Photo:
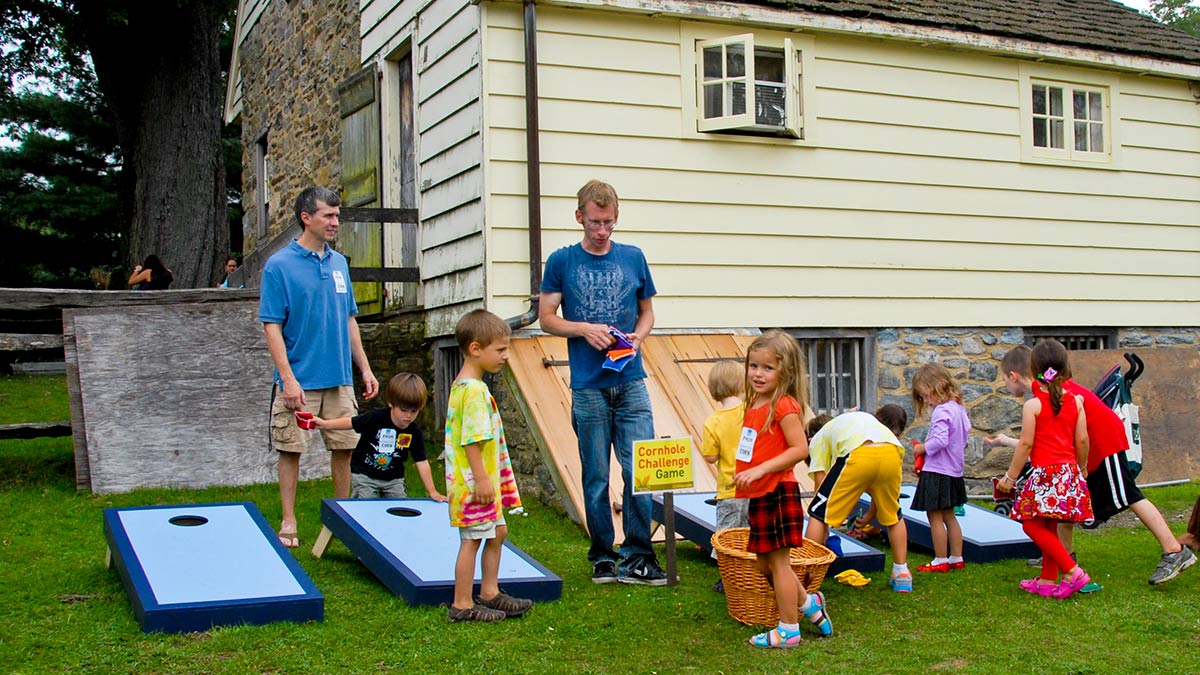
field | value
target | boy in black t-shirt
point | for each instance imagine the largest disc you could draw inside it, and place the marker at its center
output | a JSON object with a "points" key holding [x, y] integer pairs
{"points": [[388, 437]]}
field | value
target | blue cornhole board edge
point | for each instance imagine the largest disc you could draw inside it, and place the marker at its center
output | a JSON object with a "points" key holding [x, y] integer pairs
{"points": [[191, 617], [698, 531], [974, 550], [402, 581]]}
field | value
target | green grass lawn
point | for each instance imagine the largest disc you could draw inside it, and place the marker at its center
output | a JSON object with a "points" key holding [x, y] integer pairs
{"points": [[60, 609]]}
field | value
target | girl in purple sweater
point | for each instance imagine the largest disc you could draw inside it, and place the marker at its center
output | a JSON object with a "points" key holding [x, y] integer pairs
{"points": [[941, 486]]}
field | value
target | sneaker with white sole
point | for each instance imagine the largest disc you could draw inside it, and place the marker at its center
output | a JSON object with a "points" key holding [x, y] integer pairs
{"points": [[604, 572], [645, 572], [1171, 564]]}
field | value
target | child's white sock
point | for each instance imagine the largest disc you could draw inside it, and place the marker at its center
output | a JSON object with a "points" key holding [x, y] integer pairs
{"points": [[809, 605], [956, 558], [789, 627], [939, 561], [899, 568]]}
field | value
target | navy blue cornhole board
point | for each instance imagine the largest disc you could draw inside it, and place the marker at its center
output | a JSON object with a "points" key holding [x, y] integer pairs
{"points": [[696, 519], [987, 535], [413, 554], [228, 570]]}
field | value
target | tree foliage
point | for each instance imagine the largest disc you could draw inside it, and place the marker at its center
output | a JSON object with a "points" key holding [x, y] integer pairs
{"points": [[115, 106], [1181, 14]]}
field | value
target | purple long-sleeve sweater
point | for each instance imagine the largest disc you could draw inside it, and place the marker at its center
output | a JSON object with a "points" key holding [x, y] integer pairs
{"points": [[946, 442]]}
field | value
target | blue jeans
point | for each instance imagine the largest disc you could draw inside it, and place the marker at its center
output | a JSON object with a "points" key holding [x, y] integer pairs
{"points": [[612, 419]]}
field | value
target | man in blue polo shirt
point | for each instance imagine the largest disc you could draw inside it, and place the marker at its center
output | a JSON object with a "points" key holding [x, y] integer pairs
{"points": [[602, 285], [307, 308]]}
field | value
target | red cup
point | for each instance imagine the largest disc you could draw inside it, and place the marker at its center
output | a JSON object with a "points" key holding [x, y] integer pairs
{"points": [[304, 420]]}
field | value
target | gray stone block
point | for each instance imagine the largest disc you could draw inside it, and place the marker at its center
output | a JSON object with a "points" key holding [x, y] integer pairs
{"points": [[974, 392], [888, 336], [996, 413], [983, 371], [943, 341], [972, 346], [1013, 336], [895, 358]]}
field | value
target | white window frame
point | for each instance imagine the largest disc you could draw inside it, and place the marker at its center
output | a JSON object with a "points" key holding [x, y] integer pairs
{"points": [[798, 58], [1070, 81], [854, 382]]}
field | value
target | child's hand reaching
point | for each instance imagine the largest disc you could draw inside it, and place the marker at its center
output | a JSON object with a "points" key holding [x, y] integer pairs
{"points": [[998, 440], [437, 496], [918, 449], [745, 478], [319, 423]]}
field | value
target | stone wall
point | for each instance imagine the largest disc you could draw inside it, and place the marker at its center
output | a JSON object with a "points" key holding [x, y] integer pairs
{"points": [[972, 355], [398, 346], [292, 63]]}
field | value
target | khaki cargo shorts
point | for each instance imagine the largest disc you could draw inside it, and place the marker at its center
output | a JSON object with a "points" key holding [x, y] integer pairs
{"points": [[327, 404]]}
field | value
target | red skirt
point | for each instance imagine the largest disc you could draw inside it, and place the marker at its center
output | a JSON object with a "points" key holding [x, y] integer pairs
{"points": [[777, 519]]}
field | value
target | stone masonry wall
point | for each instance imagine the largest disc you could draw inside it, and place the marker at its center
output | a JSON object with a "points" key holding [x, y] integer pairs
{"points": [[398, 346], [292, 63], [972, 355]]}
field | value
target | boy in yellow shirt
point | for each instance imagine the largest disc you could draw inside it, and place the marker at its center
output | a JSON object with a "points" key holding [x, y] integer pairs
{"points": [[722, 429]]}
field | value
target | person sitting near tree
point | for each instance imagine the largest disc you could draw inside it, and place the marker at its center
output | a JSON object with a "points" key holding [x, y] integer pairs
{"points": [[151, 275]]}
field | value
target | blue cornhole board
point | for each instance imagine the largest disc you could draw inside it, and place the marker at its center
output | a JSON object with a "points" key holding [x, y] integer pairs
{"points": [[987, 535], [184, 575], [413, 554], [696, 519]]}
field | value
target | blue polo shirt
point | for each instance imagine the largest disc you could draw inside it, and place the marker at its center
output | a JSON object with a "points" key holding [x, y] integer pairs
{"points": [[310, 295], [599, 289]]}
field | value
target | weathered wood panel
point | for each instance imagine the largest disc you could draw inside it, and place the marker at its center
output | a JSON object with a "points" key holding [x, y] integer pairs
{"points": [[20, 342], [173, 396], [41, 299]]}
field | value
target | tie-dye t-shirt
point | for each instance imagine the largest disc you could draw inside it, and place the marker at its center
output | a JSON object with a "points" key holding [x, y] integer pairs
{"points": [[472, 417]]}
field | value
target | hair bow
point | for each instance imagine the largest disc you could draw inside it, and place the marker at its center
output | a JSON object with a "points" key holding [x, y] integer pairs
{"points": [[1048, 375]]}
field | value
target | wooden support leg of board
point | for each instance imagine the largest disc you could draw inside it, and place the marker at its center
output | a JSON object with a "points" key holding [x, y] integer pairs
{"points": [[323, 540], [107, 558]]}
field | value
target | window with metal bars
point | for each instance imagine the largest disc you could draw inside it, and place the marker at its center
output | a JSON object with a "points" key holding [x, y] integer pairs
{"points": [[1074, 339], [837, 374]]}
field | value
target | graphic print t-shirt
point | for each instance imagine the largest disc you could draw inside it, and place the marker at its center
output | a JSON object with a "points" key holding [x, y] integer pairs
{"points": [[383, 447]]}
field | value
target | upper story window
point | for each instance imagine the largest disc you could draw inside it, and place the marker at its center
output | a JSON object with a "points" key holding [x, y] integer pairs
{"points": [[747, 85], [1067, 116]]}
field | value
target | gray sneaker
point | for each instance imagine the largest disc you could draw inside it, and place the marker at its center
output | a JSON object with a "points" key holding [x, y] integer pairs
{"points": [[645, 572], [1171, 565]]}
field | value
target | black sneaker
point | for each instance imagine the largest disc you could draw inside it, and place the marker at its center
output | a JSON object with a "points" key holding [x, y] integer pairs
{"points": [[644, 572], [604, 572]]}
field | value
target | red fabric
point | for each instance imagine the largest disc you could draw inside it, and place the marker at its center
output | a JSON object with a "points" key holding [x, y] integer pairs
{"points": [[1054, 435], [769, 443], [1106, 431], [777, 519], [1055, 559]]}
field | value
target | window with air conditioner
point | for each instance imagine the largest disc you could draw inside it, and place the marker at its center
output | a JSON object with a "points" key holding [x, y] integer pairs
{"points": [[749, 88]]}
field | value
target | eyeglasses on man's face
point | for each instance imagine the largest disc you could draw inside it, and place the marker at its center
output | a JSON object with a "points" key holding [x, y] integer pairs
{"points": [[600, 224]]}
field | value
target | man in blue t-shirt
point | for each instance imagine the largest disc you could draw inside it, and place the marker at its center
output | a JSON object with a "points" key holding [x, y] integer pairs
{"points": [[602, 285], [307, 308]]}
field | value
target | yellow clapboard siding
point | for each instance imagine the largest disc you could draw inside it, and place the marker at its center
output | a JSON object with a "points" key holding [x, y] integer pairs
{"points": [[560, 228], [850, 166], [915, 58], [604, 52], [896, 80], [605, 118], [862, 106], [587, 85], [1160, 111], [1165, 136], [637, 27]]}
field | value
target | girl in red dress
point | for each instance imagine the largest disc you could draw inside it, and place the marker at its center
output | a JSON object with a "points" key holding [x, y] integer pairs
{"points": [[1054, 439]]}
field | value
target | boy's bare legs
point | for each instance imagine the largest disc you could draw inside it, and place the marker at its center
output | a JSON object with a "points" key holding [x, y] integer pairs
{"points": [[464, 574], [339, 468], [817, 531], [1149, 515], [289, 476], [1066, 534], [898, 538], [489, 585], [953, 534]]}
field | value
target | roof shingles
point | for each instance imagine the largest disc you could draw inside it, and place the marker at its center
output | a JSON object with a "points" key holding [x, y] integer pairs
{"points": [[1096, 24]]}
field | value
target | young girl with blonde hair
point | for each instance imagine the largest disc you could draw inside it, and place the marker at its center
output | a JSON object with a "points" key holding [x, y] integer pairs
{"points": [[941, 486], [771, 443]]}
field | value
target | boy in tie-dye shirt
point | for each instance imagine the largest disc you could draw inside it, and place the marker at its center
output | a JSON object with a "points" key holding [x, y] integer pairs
{"points": [[479, 476]]}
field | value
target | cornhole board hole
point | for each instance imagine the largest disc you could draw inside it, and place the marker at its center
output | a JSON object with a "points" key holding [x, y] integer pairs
{"points": [[696, 519], [987, 535], [409, 545], [189, 568]]}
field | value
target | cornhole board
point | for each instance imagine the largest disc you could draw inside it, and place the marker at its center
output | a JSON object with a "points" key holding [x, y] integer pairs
{"points": [[409, 545], [696, 519], [987, 535], [189, 568]]}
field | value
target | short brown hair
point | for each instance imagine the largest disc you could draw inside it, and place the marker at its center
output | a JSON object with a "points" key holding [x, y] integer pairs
{"points": [[479, 326], [727, 378], [407, 391], [1016, 361], [893, 417], [815, 425], [598, 192]]}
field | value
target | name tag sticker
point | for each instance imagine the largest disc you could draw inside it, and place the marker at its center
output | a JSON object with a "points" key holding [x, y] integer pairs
{"points": [[745, 451], [339, 281], [387, 441]]}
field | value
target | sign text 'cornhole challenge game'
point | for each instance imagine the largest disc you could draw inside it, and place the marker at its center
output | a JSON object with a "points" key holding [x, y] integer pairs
{"points": [[662, 464]]}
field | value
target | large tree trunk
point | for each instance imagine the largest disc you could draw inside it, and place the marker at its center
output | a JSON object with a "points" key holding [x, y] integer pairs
{"points": [[158, 66]]}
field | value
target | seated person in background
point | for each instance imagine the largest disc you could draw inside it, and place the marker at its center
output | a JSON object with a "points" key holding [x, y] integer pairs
{"points": [[231, 265], [151, 275]]}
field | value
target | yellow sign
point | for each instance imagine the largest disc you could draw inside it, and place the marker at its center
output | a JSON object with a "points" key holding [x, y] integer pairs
{"points": [[662, 464]]}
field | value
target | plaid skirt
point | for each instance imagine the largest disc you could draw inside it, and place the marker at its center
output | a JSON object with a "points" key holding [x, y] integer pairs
{"points": [[777, 519]]}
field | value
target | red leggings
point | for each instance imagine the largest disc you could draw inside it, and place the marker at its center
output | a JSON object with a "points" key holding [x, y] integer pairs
{"points": [[1055, 559]]}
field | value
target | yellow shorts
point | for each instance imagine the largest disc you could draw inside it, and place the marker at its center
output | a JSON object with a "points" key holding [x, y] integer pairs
{"points": [[328, 404], [874, 469]]}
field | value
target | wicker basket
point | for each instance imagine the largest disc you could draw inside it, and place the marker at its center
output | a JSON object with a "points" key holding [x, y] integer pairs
{"points": [[748, 596]]}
